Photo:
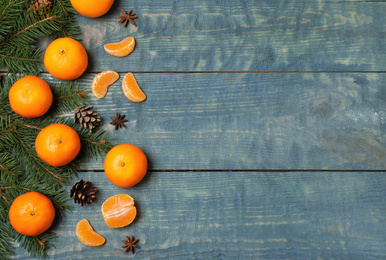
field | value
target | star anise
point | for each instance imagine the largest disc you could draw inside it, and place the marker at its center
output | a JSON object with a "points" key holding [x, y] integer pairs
{"points": [[130, 243], [118, 121], [127, 17]]}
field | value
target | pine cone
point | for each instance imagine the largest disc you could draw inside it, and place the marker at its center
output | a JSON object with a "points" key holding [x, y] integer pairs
{"points": [[83, 192], [87, 118], [41, 7]]}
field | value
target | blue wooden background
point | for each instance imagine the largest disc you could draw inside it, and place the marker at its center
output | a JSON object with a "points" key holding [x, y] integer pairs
{"points": [[264, 128]]}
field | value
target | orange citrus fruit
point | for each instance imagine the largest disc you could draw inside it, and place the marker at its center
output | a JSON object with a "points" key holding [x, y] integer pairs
{"points": [[30, 97], [131, 89], [66, 59], [31, 213], [125, 165], [57, 144], [119, 211], [87, 235], [102, 82], [92, 8], [122, 48]]}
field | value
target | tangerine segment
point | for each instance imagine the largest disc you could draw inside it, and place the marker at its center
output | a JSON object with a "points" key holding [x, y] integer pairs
{"points": [[31, 213], [131, 89], [30, 97], [87, 235], [122, 48], [102, 82], [119, 211]]}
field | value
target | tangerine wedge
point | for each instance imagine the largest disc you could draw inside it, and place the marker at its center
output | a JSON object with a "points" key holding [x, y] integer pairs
{"points": [[122, 48], [119, 211], [131, 89], [87, 235], [102, 82]]}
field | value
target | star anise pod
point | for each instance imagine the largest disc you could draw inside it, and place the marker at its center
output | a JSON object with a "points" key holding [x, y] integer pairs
{"points": [[118, 121], [127, 17], [130, 243]]}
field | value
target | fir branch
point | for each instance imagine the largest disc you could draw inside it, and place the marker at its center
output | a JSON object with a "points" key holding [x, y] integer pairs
{"points": [[78, 93], [4, 198], [7, 170], [15, 187], [18, 58], [5, 9], [27, 28], [6, 245], [64, 9]]}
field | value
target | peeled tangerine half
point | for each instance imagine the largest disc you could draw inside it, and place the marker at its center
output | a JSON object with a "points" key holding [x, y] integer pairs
{"points": [[119, 211], [122, 48], [87, 235], [131, 89], [102, 82]]}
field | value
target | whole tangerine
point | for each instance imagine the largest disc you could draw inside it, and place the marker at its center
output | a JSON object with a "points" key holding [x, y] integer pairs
{"points": [[66, 58], [125, 165], [31, 213], [92, 8], [30, 97], [57, 144]]}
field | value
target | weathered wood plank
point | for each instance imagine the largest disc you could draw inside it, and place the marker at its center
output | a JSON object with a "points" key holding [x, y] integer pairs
{"points": [[239, 215], [242, 36], [252, 120]]}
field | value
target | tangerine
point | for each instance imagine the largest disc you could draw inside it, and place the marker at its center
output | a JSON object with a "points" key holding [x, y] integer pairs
{"points": [[92, 8], [30, 97], [122, 48], [131, 88], [125, 165], [57, 144], [102, 82], [66, 58], [87, 235], [119, 211], [31, 213]]}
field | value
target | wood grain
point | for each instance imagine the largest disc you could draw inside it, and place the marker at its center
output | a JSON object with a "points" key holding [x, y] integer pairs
{"points": [[251, 120], [239, 215], [242, 36]]}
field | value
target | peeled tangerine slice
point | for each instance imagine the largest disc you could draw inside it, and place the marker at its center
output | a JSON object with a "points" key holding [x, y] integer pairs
{"points": [[102, 82], [131, 89], [87, 235], [122, 48], [119, 211]]}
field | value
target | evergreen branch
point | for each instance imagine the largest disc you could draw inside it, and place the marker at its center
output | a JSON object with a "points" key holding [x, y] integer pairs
{"points": [[36, 160], [6, 244], [15, 187], [42, 243], [4, 198], [79, 94], [32, 126], [5, 169], [64, 32], [6, 131], [5, 9], [27, 28], [64, 9], [18, 58]]}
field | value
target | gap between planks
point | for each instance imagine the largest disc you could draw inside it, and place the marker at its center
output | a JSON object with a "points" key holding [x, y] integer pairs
{"points": [[245, 170], [229, 72]]}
